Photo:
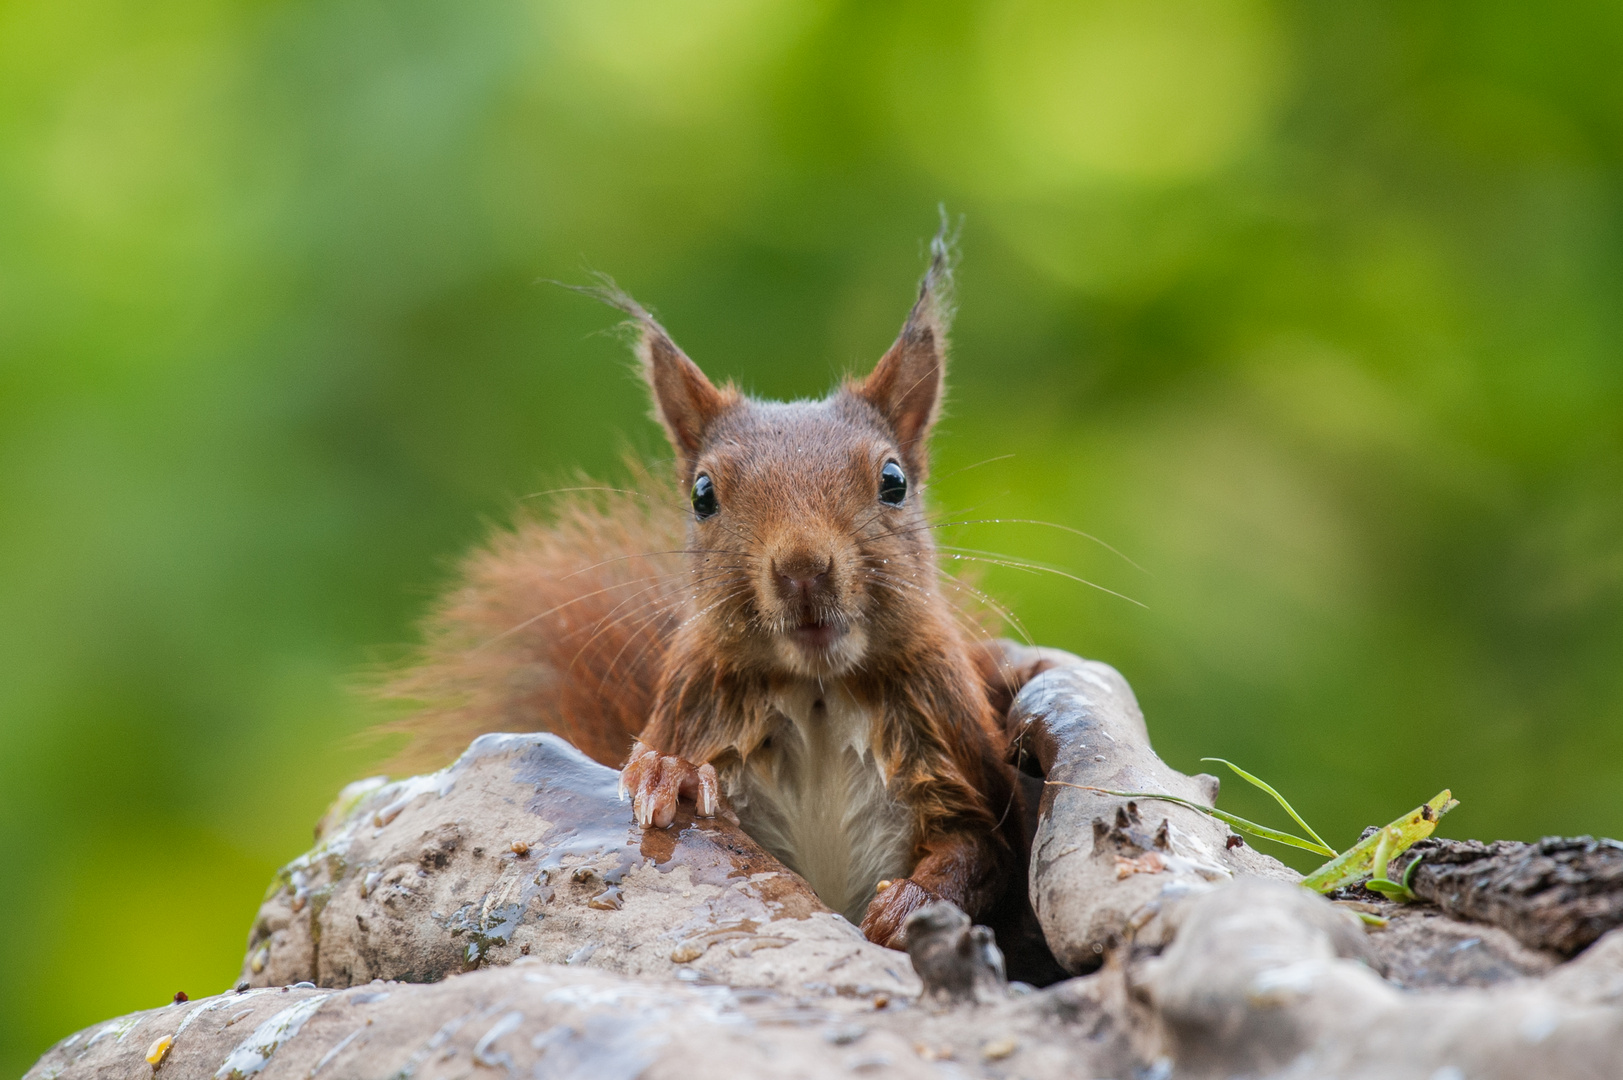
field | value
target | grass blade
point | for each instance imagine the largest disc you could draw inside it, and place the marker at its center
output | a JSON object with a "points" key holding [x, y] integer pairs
{"points": [[1358, 861], [1278, 798], [1233, 821]]}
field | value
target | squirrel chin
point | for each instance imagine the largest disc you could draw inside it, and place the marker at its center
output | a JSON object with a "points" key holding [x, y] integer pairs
{"points": [[821, 649], [817, 636]]}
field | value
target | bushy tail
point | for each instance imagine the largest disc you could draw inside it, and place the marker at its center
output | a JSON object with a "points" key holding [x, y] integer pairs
{"points": [[559, 623]]}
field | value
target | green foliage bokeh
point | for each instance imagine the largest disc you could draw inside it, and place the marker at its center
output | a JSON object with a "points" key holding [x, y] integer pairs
{"points": [[1312, 310]]}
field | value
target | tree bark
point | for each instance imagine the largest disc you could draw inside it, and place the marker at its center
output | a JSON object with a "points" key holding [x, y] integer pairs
{"points": [[1558, 893]]}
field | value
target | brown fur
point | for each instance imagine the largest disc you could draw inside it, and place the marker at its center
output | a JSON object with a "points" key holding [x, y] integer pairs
{"points": [[559, 623], [617, 621]]}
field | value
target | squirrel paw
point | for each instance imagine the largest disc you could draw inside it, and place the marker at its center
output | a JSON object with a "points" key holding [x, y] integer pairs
{"points": [[888, 911], [655, 783]]}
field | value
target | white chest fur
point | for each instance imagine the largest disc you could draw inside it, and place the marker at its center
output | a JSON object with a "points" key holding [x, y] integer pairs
{"points": [[815, 797]]}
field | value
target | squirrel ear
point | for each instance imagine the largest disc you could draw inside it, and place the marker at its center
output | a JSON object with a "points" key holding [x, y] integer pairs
{"points": [[684, 400], [906, 385]]}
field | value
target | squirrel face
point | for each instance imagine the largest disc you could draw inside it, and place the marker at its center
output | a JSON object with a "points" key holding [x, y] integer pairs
{"points": [[810, 550], [810, 553]]}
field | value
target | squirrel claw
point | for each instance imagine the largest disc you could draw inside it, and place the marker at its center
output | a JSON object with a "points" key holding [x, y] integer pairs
{"points": [[657, 782]]}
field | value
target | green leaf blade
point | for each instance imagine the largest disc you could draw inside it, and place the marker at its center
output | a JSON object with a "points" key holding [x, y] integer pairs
{"points": [[1258, 782], [1234, 821]]}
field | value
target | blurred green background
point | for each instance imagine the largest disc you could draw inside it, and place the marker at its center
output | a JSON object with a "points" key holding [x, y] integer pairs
{"points": [[1314, 310]]}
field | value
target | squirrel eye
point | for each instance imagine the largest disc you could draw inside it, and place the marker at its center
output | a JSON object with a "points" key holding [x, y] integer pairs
{"points": [[892, 484], [704, 498]]}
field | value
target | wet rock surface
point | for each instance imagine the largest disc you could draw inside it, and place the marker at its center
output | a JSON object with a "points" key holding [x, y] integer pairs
{"points": [[534, 1019], [524, 848], [505, 916]]}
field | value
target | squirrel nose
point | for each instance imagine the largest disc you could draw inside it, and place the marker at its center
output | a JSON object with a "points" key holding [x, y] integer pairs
{"points": [[800, 576]]}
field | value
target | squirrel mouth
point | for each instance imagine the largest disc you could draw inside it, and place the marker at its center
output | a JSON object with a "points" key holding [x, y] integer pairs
{"points": [[817, 635]]}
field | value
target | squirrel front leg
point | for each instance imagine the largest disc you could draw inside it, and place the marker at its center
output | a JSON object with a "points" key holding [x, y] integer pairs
{"points": [[960, 867], [657, 781]]}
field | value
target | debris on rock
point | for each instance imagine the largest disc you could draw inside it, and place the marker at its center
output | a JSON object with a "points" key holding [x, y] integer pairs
{"points": [[956, 962]]}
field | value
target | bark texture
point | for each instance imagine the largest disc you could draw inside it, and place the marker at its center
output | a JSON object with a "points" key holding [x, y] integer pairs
{"points": [[1559, 893]]}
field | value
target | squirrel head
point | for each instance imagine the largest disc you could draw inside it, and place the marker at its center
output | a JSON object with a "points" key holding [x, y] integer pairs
{"points": [[810, 554]]}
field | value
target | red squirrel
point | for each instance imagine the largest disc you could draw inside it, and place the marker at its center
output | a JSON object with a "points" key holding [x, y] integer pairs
{"points": [[782, 641]]}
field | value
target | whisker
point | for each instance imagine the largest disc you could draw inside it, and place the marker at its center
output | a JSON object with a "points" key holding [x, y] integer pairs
{"points": [[655, 578], [1017, 521], [574, 600], [676, 504], [1032, 568], [1004, 613], [978, 464], [742, 590], [654, 554], [586, 487], [977, 630], [610, 621], [698, 580]]}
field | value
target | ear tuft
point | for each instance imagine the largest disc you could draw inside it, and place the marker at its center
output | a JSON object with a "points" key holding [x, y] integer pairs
{"points": [[906, 385], [685, 401]]}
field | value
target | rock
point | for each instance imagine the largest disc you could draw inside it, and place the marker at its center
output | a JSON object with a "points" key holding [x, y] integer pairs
{"points": [[1265, 980], [1256, 978], [543, 1020], [1101, 864], [558, 939], [523, 847], [1421, 948]]}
